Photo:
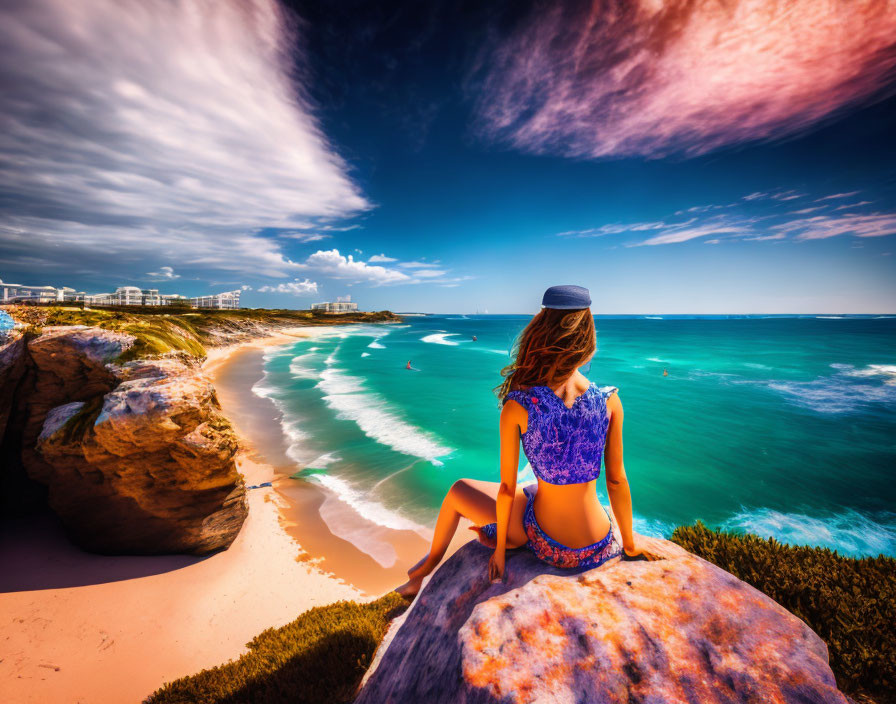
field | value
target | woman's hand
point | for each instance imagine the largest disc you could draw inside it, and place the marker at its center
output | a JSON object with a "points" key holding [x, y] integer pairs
{"points": [[483, 538], [637, 553], [496, 566]]}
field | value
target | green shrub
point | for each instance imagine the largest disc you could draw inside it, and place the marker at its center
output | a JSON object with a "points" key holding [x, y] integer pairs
{"points": [[850, 603], [318, 658]]}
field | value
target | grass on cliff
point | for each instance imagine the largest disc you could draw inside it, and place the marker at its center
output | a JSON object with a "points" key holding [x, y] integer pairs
{"points": [[179, 329], [318, 658], [850, 603]]}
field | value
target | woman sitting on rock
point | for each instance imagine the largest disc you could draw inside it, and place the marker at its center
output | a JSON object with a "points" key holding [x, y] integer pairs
{"points": [[566, 425]]}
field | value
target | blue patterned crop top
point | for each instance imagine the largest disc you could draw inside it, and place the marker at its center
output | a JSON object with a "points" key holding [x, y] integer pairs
{"points": [[564, 445]]}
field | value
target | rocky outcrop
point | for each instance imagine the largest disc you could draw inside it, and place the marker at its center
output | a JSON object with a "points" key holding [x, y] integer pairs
{"points": [[136, 457], [12, 368], [672, 630]]}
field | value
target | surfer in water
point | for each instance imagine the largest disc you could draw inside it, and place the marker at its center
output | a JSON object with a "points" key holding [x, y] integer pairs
{"points": [[409, 365], [474, 338], [665, 373]]}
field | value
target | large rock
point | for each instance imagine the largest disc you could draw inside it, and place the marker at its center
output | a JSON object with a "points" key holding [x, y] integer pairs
{"points": [[148, 468], [12, 368], [673, 630]]}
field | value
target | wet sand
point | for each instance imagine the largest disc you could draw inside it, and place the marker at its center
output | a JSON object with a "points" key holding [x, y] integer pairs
{"points": [[257, 421]]}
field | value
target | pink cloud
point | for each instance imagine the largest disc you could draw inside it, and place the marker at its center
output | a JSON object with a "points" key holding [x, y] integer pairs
{"points": [[654, 77], [825, 226]]}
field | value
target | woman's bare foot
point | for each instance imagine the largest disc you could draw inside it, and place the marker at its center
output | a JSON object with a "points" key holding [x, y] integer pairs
{"points": [[410, 588]]}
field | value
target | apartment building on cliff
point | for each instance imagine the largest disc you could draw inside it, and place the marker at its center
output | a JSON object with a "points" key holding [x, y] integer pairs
{"points": [[17, 293], [122, 296], [342, 304]]}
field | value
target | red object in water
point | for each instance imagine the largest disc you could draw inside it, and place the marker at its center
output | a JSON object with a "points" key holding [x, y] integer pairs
{"points": [[534, 400]]}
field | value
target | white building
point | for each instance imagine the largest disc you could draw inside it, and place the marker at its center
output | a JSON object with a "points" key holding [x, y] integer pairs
{"points": [[123, 296], [126, 296], [17, 293], [343, 304], [226, 300]]}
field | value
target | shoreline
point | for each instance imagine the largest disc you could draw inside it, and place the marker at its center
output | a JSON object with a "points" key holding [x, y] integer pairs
{"points": [[82, 627], [307, 510]]}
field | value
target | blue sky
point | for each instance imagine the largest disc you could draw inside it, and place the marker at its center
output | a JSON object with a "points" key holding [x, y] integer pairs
{"points": [[443, 157]]}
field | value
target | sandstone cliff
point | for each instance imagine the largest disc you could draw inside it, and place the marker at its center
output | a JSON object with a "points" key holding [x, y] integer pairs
{"points": [[136, 457], [672, 630], [106, 416]]}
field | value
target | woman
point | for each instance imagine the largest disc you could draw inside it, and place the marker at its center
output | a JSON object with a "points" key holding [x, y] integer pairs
{"points": [[566, 424]]}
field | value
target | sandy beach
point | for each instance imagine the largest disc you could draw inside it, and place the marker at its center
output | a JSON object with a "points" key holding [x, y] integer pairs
{"points": [[307, 510], [78, 627]]}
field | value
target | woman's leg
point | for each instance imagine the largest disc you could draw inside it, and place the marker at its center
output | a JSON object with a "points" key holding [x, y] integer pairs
{"points": [[475, 500]]}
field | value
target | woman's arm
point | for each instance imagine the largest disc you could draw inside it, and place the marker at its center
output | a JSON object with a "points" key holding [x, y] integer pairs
{"points": [[617, 482], [509, 428]]}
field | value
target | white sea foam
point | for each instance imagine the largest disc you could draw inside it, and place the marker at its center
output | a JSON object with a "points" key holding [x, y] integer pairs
{"points": [[830, 317], [839, 393], [262, 388], [849, 532], [359, 500], [376, 345], [651, 527], [756, 365], [885, 371], [440, 338], [655, 359], [347, 396], [653, 317], [365, 354], [300, 367]]}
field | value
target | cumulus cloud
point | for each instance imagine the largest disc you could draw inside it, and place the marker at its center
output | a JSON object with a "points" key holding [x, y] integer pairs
{"points": [[143, 129], [297, 288], [338, 266], [164, 272], [335, 265], [659, 77]]}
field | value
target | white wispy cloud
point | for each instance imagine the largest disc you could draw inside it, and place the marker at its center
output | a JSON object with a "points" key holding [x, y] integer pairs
{"points": [[836, 196], [418, 265], [675, 234], [296, 288], [644, 77], [304, 236], [756, 219], [145, 130], [381, 258], [164, 272]]}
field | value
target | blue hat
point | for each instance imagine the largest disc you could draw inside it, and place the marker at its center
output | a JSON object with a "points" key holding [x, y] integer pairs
{"points": [[566, 297]]}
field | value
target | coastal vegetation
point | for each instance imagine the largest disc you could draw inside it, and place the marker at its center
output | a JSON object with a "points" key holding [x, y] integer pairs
{"points": [[849, 602], [321, 656], [163, 329]]}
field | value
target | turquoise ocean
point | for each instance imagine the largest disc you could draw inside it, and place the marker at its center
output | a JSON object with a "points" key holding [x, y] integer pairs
{"points": [[780, 426]]}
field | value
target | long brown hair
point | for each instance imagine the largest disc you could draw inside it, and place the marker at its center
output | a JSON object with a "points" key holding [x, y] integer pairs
{"points": [[552, 346]]}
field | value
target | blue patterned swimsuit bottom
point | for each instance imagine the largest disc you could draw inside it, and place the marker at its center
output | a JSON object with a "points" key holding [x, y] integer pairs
{"points": [[563, 446]]}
